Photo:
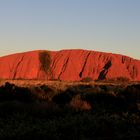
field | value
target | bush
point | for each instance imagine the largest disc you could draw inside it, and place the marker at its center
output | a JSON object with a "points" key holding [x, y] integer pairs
{"points": [[62, 98], [10, 92], [118, 79], [87, 79], [132, 96], [79, 104], [123, 79], [103, 99]]}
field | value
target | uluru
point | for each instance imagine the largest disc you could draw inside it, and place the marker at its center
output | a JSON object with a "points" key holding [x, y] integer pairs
{"points": [[68, 65]]}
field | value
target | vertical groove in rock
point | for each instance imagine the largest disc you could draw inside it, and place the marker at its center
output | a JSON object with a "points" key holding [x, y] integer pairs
{"points": [[63, 68], [16, 68], [81, 73], [55, 61]]}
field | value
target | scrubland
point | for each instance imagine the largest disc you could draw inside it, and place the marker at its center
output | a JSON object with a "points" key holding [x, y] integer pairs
{"points": [[69, 110]]}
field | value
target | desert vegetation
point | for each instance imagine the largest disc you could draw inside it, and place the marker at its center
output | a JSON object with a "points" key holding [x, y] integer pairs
{"points": [[86, 79], [77, 111], [118, 79]]}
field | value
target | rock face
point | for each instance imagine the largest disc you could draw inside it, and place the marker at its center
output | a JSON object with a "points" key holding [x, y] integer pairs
{"points": [[68, 65]]}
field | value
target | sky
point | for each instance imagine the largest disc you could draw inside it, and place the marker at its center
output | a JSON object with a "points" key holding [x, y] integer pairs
{"points": [[101, 25]]}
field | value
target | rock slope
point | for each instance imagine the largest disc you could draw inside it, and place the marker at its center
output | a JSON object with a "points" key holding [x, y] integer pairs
{"points": [[68, 65]]}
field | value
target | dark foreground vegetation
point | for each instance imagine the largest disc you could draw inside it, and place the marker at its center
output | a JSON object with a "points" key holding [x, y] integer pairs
{"points": [[79, 112]]}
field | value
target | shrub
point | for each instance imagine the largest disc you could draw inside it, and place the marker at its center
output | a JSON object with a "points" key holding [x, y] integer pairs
{"points": [[86, 79], [43, 93], [10, 92], [101, 99], [48, 92], [132, 96], [62, 98], [79, 104], [118, 79], [123, 79]]}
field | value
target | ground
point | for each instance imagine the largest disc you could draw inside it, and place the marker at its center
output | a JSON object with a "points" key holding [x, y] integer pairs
{"points": [[69, 110]]}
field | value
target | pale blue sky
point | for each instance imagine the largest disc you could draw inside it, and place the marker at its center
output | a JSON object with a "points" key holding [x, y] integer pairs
{"points": [[102, 25]]}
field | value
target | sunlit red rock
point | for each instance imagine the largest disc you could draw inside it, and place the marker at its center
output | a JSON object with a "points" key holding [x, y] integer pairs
{"points": [[70, 65]]}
